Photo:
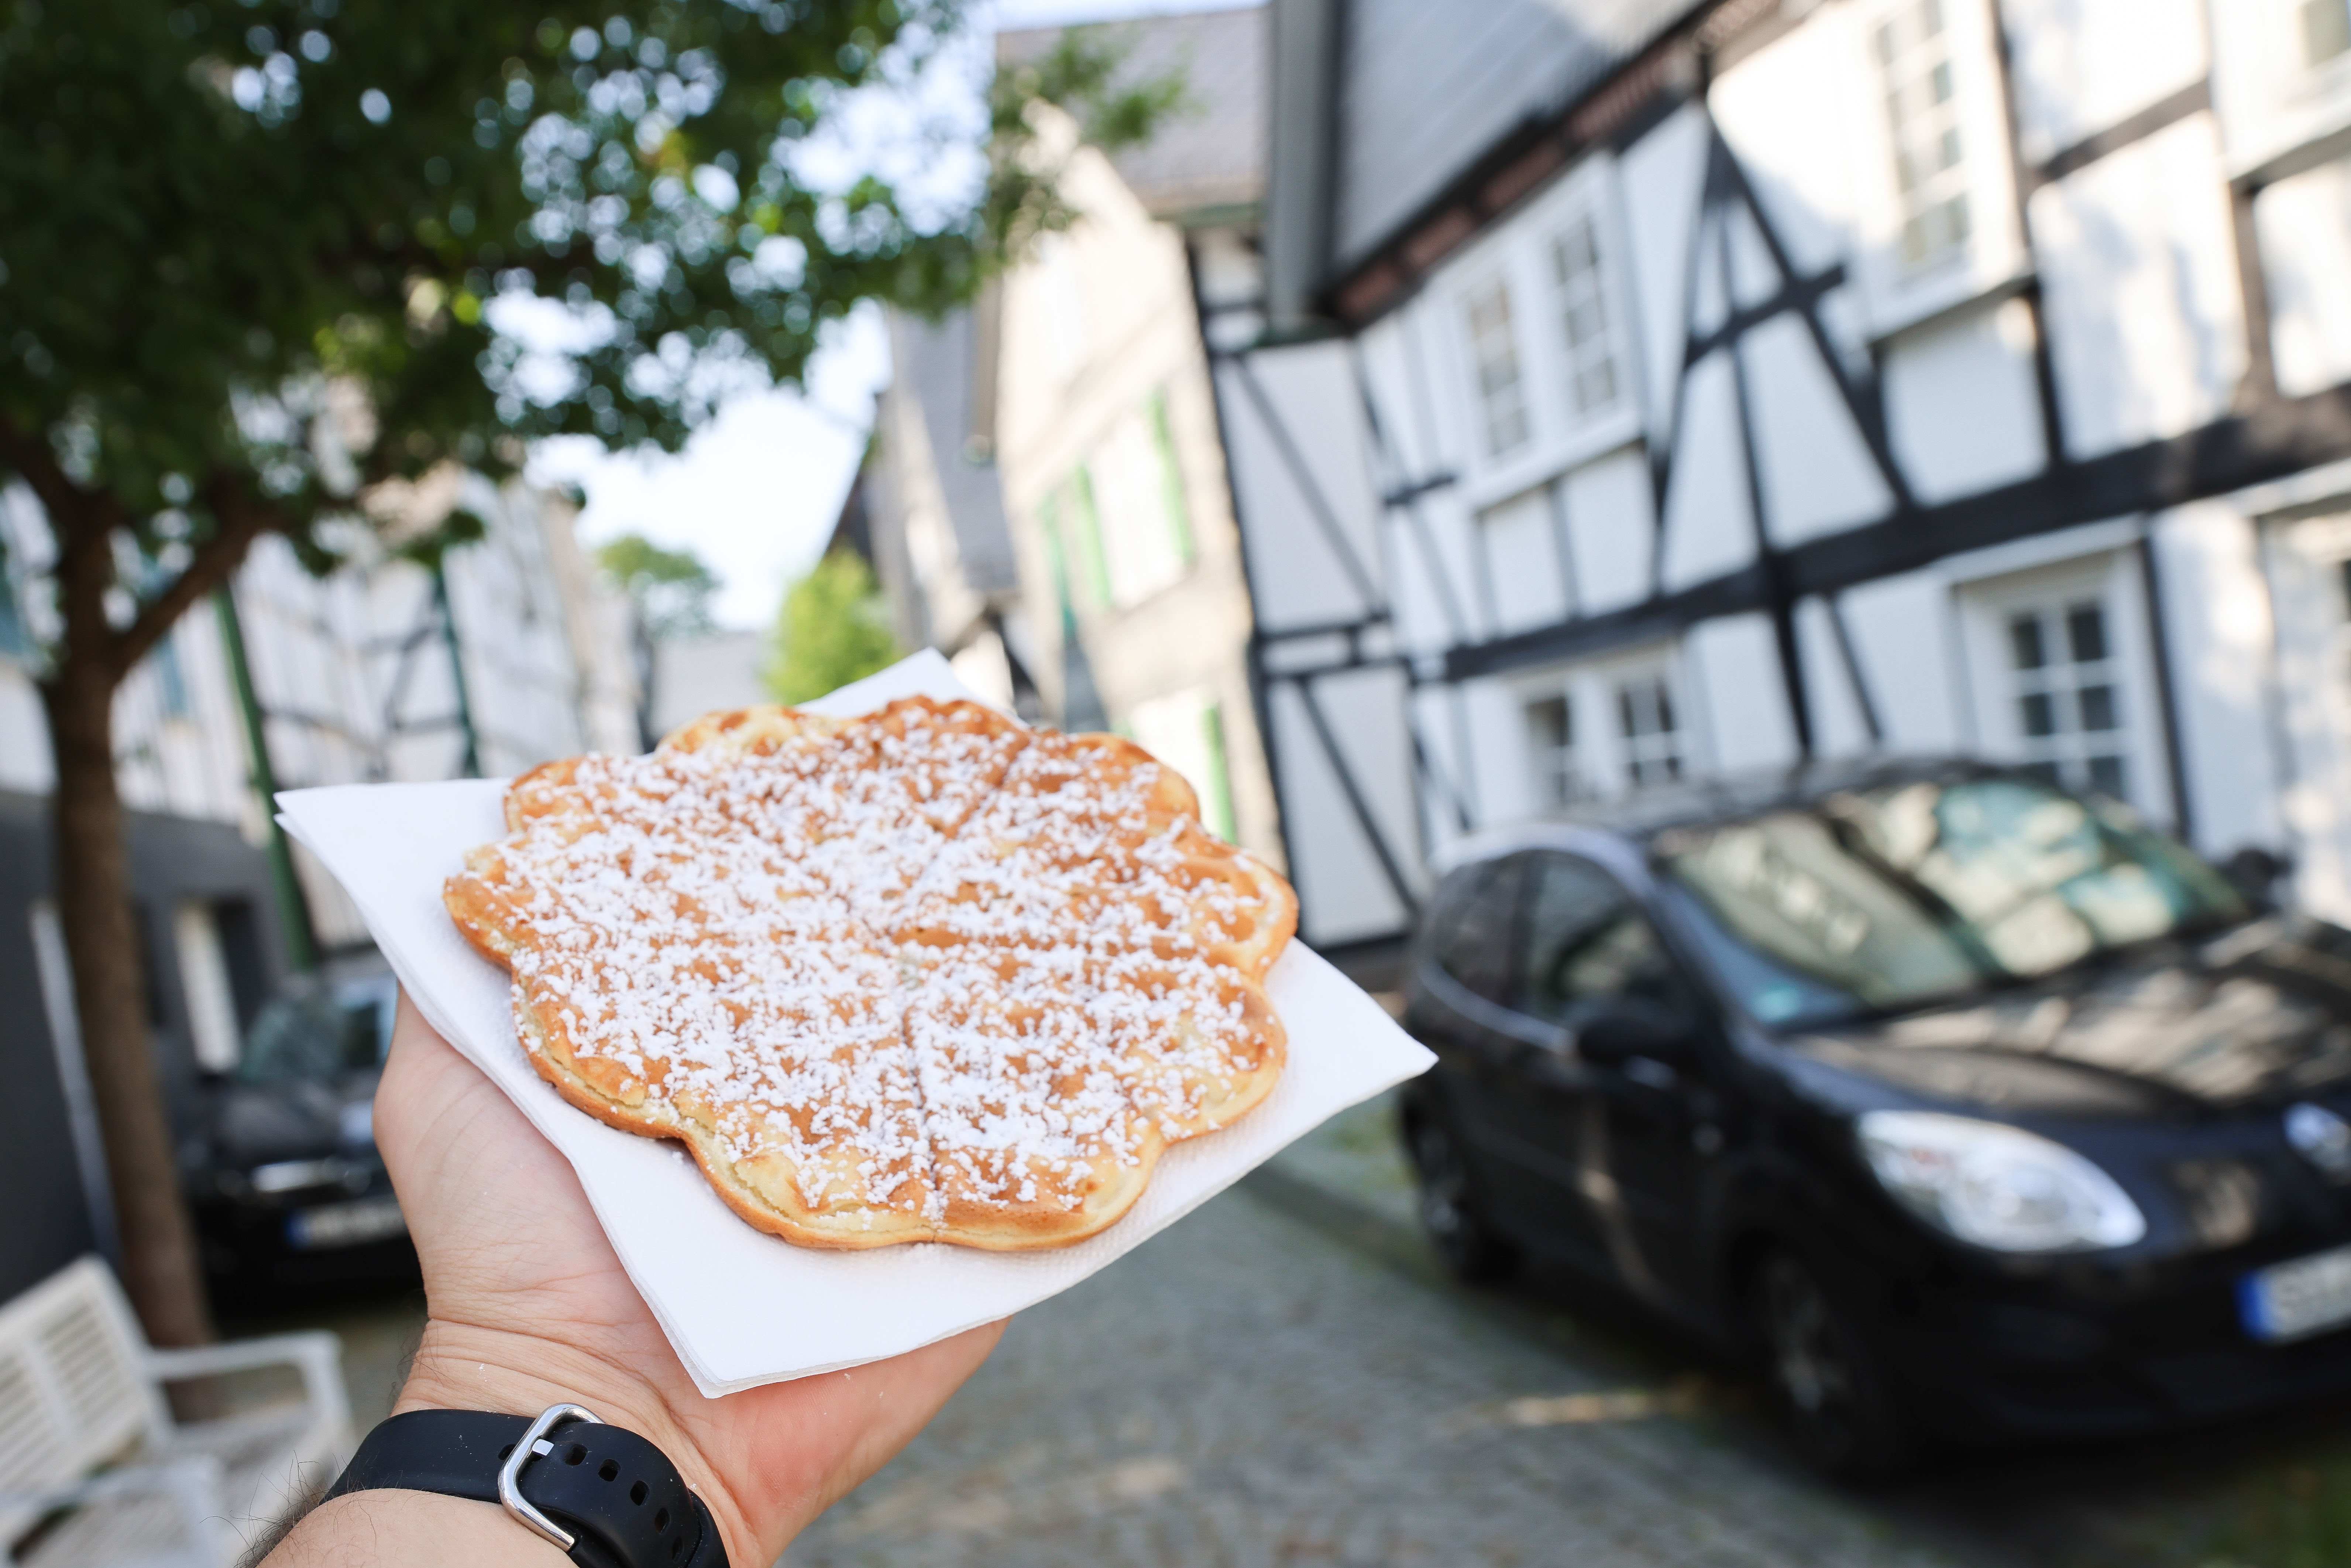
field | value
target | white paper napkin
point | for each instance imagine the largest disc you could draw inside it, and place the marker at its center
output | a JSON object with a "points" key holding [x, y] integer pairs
{"points": [[741, 1307]]}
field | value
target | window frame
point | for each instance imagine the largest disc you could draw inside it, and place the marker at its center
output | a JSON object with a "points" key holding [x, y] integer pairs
{"points": [[1694, 1003], [1994, 255], [1477, 877], [1487, 284], [1518, 252], [1603, 757], [2270, 99], [2111, 579]]}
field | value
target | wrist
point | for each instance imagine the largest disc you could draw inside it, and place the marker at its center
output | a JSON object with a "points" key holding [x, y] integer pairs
{"points": [[411, 1527], [460, 1366]]}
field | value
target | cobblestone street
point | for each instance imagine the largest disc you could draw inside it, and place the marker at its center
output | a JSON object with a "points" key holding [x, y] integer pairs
{"points": [[1285, 1377], [1247, 1390]]}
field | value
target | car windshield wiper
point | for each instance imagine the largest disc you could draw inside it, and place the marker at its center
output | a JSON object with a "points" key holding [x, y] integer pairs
{"points": [[1933, 904]]}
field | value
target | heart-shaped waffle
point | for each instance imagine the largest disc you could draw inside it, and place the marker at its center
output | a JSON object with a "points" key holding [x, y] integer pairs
{"points": [[925, 974]]}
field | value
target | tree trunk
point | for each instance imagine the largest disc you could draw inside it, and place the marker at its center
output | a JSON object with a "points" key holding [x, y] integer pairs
{"points": [[92, 880]]}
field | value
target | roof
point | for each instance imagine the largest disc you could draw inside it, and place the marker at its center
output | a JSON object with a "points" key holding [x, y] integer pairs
{"points": [[937, 364], [1646, 812], [1210, 155], [1418, 94]]}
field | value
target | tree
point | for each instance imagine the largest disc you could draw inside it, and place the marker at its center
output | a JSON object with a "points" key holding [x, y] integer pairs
{"points": [[833, 629], [261, 258], [672, 589]]}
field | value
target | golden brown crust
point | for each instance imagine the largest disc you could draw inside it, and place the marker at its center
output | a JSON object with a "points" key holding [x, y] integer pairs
{"points": [[1081, 974]]}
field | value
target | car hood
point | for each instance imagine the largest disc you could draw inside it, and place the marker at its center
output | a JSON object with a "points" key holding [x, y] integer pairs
{"points": [[254, 1124], [2258, 1015]]}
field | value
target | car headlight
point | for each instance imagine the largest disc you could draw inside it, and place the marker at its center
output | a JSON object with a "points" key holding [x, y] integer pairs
{"points": [[1996, 1186]]}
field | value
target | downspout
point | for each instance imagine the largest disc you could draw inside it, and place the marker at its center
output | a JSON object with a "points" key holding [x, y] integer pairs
{"points": [[471, 763], [293, 908]]}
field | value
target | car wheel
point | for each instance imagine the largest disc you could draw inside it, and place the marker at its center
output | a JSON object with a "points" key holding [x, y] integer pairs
{"points": [[1465, 1240], [1828, 1377]]}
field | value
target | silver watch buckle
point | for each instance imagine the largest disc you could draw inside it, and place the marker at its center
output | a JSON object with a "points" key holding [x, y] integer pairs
{"points": [[533, 1443]]}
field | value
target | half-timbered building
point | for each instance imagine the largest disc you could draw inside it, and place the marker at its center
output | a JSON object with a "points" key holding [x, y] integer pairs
{"points": [[1650, 390]]}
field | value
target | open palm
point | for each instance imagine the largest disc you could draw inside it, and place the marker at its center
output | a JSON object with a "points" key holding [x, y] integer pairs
{"points": [[528, 1306]]}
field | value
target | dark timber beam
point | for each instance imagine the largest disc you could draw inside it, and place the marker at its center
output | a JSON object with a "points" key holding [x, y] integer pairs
{"points": [[2281, 436]]}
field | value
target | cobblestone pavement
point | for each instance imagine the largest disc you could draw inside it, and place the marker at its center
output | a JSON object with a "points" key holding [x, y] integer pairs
{"points": [[1247, 1390], [1285, 1377]]}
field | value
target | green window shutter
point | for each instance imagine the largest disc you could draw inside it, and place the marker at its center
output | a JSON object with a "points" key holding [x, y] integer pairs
{"points": [[1056, 564], [1171, 479], [1218, 784], [1091, 558]]}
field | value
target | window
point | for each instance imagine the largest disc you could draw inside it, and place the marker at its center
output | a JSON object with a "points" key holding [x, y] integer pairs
{"points": [[1494, 362], [1586, 946], [1551, 747], [171, 681], [1218, 799], [2067, 689], [1085, 525], [1473, 928], [1171, 480], [2326, 30], [1185, 730], [1584, 318], [1057, 564], [1644, 718], [213, 1031], [1918, 75]]}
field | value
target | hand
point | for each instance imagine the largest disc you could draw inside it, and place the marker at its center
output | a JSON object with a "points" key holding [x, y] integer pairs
{"points": [[527, 1307]]}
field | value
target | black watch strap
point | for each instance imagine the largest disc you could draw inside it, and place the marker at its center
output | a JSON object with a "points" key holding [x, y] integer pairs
{"points": [[618, 1496]]}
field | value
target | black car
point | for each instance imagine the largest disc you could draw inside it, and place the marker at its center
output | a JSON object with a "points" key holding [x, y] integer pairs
{"points": [[288, 1190], [1971, 1108]]}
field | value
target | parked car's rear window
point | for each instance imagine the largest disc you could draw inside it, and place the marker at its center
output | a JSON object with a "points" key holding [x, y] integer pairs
{"points": [[1881, 898]]}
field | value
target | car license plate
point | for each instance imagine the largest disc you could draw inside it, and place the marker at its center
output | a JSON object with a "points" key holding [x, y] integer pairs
{"points": [[2296, 1300], [345, 1224]]}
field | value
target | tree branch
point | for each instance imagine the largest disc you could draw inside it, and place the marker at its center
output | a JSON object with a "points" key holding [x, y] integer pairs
{"points": [[73, 510], [240, 518]]}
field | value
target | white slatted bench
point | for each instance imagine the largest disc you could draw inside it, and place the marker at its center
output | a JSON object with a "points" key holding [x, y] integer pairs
{"points": [[95, 1473]]}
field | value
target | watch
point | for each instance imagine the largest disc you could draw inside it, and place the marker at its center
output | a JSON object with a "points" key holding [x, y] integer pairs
{"points": [[602, 1494]]}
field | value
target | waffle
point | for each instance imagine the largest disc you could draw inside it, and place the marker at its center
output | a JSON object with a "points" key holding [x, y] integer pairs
{"points": [[926, 974]]}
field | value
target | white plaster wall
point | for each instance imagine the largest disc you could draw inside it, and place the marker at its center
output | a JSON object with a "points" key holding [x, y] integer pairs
{"points": [[1522, 564], [1818, 474], [1710, 524], [2216, 609], [1901, 630], [1499, 763], [2304, 223], [1961, 409], [1659, 177], [2271, 102], [1839, 729], [1733, 671], [1611, 533], [1787, 112], [1430, 709], [1295, 574], [2080, 66], [1342, 893], [2139, 270]]}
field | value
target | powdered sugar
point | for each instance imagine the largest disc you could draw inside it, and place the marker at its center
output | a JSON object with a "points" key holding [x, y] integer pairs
{"points": [[922, 964]]}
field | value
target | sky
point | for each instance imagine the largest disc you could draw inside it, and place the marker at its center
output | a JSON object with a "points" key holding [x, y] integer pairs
{"points": [[756, 493]]}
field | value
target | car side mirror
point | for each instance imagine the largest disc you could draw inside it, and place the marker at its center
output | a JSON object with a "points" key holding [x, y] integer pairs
{"points": [[1628, 1030], [2254, 872]]}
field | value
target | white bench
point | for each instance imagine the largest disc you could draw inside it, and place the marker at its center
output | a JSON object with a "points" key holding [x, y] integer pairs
{"points": [[95, 1473]]}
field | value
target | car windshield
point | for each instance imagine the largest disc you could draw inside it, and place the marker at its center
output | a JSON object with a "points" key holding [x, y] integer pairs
{"points": [[306, 1034], [1889, 897]]}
